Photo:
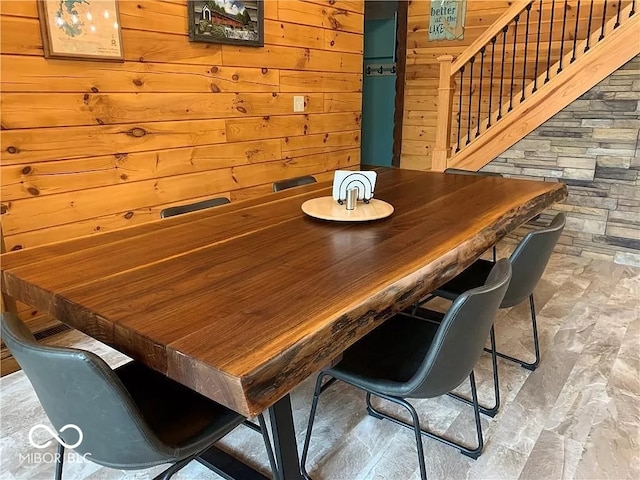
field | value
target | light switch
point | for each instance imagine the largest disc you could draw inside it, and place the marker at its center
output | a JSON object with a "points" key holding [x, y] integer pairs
{"points": [[298, 103]]}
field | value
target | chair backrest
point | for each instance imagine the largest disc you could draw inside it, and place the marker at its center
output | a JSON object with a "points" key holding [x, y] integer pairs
{"points": [[529, 260], [192, 207], [471, 172], [293, 182], [77, 387], [461, 336]]}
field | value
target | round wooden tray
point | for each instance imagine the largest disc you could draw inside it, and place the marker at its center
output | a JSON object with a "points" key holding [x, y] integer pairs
{"points": [[326, 208]]}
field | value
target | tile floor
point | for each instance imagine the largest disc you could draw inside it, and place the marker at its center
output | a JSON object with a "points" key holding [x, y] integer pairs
{"points": [[577, 416]]}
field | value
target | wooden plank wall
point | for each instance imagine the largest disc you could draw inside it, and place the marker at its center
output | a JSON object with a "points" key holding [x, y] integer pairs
{"points": [[421, 81], [93, 146]]}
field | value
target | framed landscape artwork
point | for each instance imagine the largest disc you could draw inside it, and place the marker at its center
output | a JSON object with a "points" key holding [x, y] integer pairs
{"points": [[239, 22], [81, 29]]}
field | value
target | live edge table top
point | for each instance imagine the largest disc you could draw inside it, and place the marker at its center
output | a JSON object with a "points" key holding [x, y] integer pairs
{"points": [[242, 302]]}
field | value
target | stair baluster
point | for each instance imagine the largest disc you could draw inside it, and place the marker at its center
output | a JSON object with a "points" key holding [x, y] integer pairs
{"points": [[586, 48], [535, 71], [575, 34], [504, 51], [513, 61], [526, 45], [564, 26], [553, 4], [482, 50], [493, 51], [471, 62], [604, 19], [460, 106]]}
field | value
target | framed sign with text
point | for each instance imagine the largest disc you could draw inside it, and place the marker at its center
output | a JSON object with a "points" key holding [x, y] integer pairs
{"points": [[446, 19], [81, 29]]}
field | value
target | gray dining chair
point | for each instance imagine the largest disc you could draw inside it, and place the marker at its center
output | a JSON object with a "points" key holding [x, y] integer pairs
{"points": [[293, 182], [192, 207], [408, 357], [130, 418], [529, 260]]}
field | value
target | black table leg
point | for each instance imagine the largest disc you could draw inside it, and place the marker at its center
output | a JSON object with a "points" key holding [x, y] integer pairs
{"points": [[227, 466], [284, 439], [285, 449]]}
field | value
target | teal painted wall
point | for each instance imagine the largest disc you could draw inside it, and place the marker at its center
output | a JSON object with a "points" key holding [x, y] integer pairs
{"points": [[378, 92]]}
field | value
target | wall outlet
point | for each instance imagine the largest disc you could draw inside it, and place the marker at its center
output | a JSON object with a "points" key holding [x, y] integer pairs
{"points": [[298, 103]]}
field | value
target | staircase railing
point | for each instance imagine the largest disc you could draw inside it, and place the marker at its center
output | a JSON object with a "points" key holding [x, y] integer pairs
{"points": [[530, 44]]}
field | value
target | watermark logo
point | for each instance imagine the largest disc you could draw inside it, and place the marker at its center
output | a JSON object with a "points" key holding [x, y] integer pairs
{"points": [[47, 457], [55, 435]]}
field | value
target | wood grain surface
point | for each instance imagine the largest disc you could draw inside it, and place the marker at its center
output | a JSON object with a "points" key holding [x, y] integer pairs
{"points": [[72, 132], [89, 147], [244, 301], [326, 208]]}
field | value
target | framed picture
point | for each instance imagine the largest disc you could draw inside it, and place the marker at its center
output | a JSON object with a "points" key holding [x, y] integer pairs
{"points": [[81, 29], [239, 22]]}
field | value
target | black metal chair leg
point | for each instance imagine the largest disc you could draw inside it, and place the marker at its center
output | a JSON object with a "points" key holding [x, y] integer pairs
{"points": [[416, 428], [536, 342], [496, 382], [327, 384], [267, 444], [416, 306], [465, 450], [489, 411], [169, 472], [312, 415], [261, 428], [476, 413], [370, 410], [59, 461]]}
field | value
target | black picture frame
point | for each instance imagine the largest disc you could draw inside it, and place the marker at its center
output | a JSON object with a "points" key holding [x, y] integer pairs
{"points": [[210, 22]]}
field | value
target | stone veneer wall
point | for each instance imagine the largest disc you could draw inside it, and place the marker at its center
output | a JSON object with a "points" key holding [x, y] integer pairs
{"points": [[592, 146]]}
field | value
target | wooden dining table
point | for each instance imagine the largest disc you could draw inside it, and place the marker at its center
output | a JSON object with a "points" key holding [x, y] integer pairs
{"points": [[244, 301]]}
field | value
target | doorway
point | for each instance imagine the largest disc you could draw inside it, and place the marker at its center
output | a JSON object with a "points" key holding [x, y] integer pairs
{"points": [[383, 81]]}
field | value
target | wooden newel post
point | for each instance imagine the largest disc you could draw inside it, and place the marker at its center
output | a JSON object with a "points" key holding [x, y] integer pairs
{"points": [[442, 149]]}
